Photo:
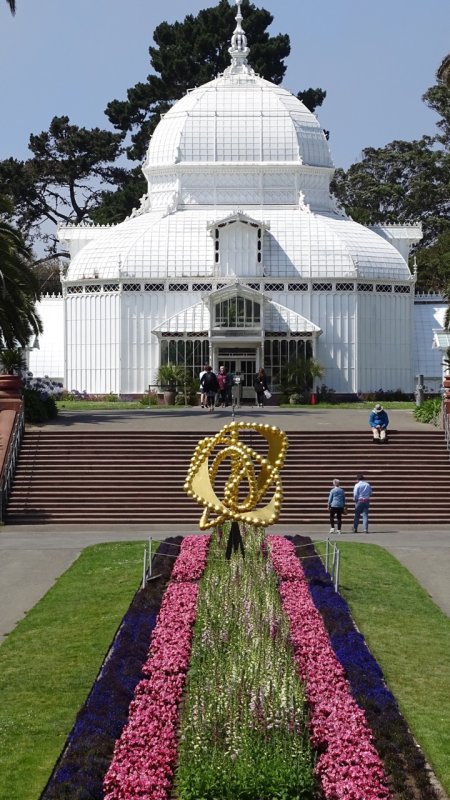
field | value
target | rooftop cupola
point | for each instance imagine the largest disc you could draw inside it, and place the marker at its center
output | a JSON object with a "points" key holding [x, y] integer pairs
{"points": [[239, 49]]}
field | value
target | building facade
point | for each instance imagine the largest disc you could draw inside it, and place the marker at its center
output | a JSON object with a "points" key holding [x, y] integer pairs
{"points": [[238, 255]]}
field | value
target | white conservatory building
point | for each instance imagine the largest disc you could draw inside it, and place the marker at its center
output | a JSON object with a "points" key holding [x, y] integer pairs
{"points": [[238, 255]]}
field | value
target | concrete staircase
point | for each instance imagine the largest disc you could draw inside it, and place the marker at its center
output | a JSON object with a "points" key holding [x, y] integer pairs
{"points": [[137, 477]]}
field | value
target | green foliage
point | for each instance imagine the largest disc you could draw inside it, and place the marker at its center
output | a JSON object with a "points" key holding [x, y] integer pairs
{"points": [[403, 182], [243, 692], [12, 361], [64, 178], [408, 182], [19, 288], [171, 376], [188, 54], [312, 98], [297, 377], [433, 266], [38, 407], [429, 411], [385, 394]]}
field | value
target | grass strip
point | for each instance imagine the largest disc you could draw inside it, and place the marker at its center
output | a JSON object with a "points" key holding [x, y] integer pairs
{"points": [[49, 662], [410, 638]]}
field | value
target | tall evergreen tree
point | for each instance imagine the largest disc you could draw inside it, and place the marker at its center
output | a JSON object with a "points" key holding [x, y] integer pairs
{"points": [[188, 54], [408, 182]]}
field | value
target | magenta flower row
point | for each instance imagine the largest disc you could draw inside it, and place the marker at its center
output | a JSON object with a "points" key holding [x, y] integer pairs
{"points": [[145, 755], [348, 765]]}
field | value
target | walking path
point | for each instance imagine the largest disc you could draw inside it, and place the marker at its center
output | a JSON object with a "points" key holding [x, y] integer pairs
{"points": [[33, 557]]}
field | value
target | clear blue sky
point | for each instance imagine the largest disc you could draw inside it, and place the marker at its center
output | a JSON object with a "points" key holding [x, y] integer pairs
{"points": [[375, 60]]}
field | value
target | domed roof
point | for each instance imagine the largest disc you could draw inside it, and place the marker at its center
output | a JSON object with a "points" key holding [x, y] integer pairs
{"points": [[297, 245], [238, 117]]}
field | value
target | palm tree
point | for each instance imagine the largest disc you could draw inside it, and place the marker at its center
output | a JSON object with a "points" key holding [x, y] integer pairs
{"points": [[19, 287], [12, 5]]}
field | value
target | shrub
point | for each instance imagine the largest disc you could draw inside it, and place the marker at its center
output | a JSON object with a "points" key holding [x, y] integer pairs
{"points": [[37, 407], [39, 395], [325, 394], [429, 411], [150, 399], [389, 394]]}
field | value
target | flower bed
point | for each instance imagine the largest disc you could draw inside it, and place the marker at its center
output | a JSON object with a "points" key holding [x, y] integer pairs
{"points": [[80, 770], [145, 755], [348, 764], [404, 764]]}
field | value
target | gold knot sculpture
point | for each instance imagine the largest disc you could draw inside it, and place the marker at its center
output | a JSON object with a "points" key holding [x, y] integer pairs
{"points": [[248, 480]]}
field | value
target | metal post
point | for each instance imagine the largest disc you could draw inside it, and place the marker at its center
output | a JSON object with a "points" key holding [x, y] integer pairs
{"points": [[333, 563], [336, 580], [419, 390], [144, 570], [327, 550], [150, 559]]}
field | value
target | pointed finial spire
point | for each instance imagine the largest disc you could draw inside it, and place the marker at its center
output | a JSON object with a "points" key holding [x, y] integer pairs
{"points": [[239, 50]]}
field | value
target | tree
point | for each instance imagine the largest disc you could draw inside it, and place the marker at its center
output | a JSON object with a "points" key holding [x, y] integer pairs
{"points": [[64, 179], [19, 289], [404, 182], [72, 170], [188, 54], [433, 266]]}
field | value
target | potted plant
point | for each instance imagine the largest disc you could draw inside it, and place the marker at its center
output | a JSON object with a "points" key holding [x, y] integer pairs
{"points": [[170, 378], [12, 364], [297, 378]]}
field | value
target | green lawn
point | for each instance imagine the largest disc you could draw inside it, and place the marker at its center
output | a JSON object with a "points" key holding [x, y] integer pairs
{"points": [[48, 664], [120, 405]]}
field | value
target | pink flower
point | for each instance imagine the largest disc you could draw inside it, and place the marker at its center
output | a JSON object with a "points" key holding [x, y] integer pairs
{"points": [[145, 755], [348, 766]]}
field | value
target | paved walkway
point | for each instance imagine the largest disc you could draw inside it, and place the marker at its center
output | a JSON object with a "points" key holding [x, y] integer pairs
{"points": [[33, 557]]}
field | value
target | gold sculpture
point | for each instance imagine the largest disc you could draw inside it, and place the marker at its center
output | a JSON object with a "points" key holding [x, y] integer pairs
{"points": [[258, 472]]}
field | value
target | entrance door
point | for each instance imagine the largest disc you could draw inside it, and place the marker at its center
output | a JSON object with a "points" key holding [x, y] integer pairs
{"points": [[247, 368]]}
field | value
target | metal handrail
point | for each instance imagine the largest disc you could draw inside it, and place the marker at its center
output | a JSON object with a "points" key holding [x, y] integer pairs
{"points": [[446, 424], [12, 455]]}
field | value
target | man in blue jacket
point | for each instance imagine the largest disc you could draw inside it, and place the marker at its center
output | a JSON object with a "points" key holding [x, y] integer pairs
{"points": [[378, 421]]}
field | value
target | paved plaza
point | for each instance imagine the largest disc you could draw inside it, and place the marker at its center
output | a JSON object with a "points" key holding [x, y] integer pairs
{"points": [[33, 557]]}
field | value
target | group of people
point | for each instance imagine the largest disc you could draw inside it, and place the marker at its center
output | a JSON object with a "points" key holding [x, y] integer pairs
{"points": [[362, 492], [224, 389]]}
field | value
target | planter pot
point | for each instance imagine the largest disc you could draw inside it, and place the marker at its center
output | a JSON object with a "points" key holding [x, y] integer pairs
{"points": [[169, 398], [10, 386]]}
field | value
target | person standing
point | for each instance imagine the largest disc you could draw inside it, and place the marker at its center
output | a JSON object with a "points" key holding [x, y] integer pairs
{"points": [[378, 421], [210, 387], [236, 389], [222, 379], [260, 386], [362, 492], [336, 505], [202, 393]]}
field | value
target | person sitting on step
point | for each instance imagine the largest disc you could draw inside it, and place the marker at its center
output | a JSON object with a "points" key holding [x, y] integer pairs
{"points": [[379, 421]]}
